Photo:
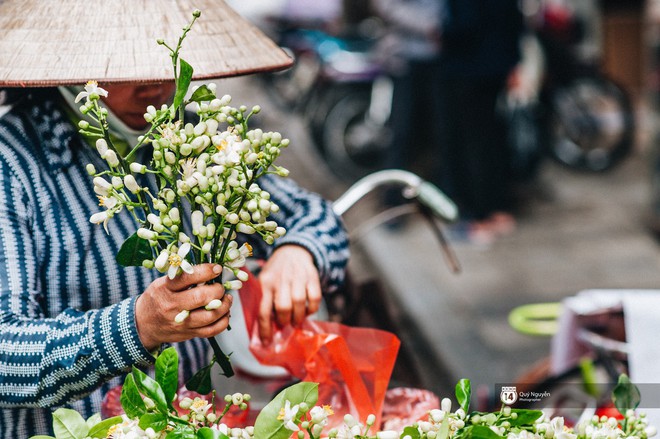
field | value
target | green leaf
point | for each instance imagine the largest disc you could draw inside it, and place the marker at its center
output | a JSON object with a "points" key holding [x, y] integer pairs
{"points": [[202, 94], [412, 432], [181, 432], [134, 251], [151, 389], [524, 417], [201, 381], [625, 395], [185, 76], [167, 373], [93, 420], [100, 429], [267, 426], [463, 393], [130, 398], [41, 436], [157, 421], [69, 424], [207, 433], [479, 432]]}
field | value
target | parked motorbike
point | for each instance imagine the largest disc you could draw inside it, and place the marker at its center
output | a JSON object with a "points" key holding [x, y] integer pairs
{"points": [[341, 92], [564, 106]]}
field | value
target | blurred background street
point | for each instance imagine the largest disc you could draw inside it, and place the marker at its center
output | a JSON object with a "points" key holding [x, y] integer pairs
{"points": [[575, 230]]}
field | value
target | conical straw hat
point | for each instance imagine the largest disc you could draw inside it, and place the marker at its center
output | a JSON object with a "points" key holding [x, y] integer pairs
{"points": [[68, 42]]}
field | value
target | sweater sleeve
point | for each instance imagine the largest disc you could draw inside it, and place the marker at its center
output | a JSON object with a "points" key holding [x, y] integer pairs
{"points": [[48, 360], [310, 222]]}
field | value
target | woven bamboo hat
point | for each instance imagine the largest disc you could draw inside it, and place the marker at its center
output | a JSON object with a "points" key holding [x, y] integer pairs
{"points": [[68, 42]]}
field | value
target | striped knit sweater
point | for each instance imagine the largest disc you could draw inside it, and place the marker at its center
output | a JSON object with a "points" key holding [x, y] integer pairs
{"points": [[67, 326]]}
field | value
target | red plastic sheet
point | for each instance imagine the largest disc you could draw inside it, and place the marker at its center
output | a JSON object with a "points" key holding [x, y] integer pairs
{"points": [[352, 365]]}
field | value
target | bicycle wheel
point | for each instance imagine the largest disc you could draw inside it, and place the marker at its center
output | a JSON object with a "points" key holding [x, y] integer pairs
{"points": [[590, 124], [353, 144]]}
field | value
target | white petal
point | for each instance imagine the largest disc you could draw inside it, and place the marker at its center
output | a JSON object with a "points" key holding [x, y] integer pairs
{"points": [[81, 95], [184, 249], [161, 260], [187, 267], [171, 272], [98, 217]]}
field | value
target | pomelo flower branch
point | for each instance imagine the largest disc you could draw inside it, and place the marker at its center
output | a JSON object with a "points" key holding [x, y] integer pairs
{"points": [[204, 188], [150, 412]]}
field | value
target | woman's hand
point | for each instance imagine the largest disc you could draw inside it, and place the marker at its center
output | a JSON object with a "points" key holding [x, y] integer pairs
{"points": [[291, 288], [157, 307]]}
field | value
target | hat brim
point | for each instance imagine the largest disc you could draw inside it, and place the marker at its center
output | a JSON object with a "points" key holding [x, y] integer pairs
{"points": [[69, 42]]}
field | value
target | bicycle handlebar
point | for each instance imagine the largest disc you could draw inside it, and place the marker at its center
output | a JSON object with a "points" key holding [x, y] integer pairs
{"points": [[414, 187]]}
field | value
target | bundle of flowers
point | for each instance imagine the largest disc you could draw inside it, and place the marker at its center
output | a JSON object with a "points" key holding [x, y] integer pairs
{"points": [[295, 413], [204, 187]]}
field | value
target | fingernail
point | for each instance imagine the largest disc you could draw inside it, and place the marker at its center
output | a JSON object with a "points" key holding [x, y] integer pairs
{"points": [[217, 269]]}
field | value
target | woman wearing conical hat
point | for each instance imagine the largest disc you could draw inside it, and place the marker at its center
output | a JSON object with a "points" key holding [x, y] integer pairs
{"points": [[72, 321]]}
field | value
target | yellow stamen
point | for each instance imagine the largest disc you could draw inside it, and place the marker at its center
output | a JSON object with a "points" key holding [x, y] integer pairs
{"points": [[92, 83], [198, 404], [280, 417], [112, 430], [101, 200], [249, 249], [328, 410], [174, 260], [222, 146]]}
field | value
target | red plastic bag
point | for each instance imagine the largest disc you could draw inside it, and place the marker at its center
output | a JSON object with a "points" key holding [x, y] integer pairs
{"points": [[352, 365]]}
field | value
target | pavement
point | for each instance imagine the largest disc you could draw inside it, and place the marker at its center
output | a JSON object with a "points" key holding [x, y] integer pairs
{"points": [[576, 231]]}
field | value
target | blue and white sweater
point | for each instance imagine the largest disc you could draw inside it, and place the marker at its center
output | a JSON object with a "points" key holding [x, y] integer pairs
{"points": [[67, 324]]}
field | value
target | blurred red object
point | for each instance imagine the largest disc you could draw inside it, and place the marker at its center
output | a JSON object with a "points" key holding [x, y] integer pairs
{"points": [[352, 365], [404, 406]]}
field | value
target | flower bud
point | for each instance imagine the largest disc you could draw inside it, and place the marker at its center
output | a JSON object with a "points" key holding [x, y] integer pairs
{"points": [[233, 285], [174, 214], [170, 157], [101, 147], [182, 316], [101, 185], [445, 405], [131, 184], [138, 168], [186, 149], [149, 403], [186, 403], [244, 228], [111, 157], [197, 218], [91, 170], [211, 127], [117, 182], [146, 233], [213, 304]]}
